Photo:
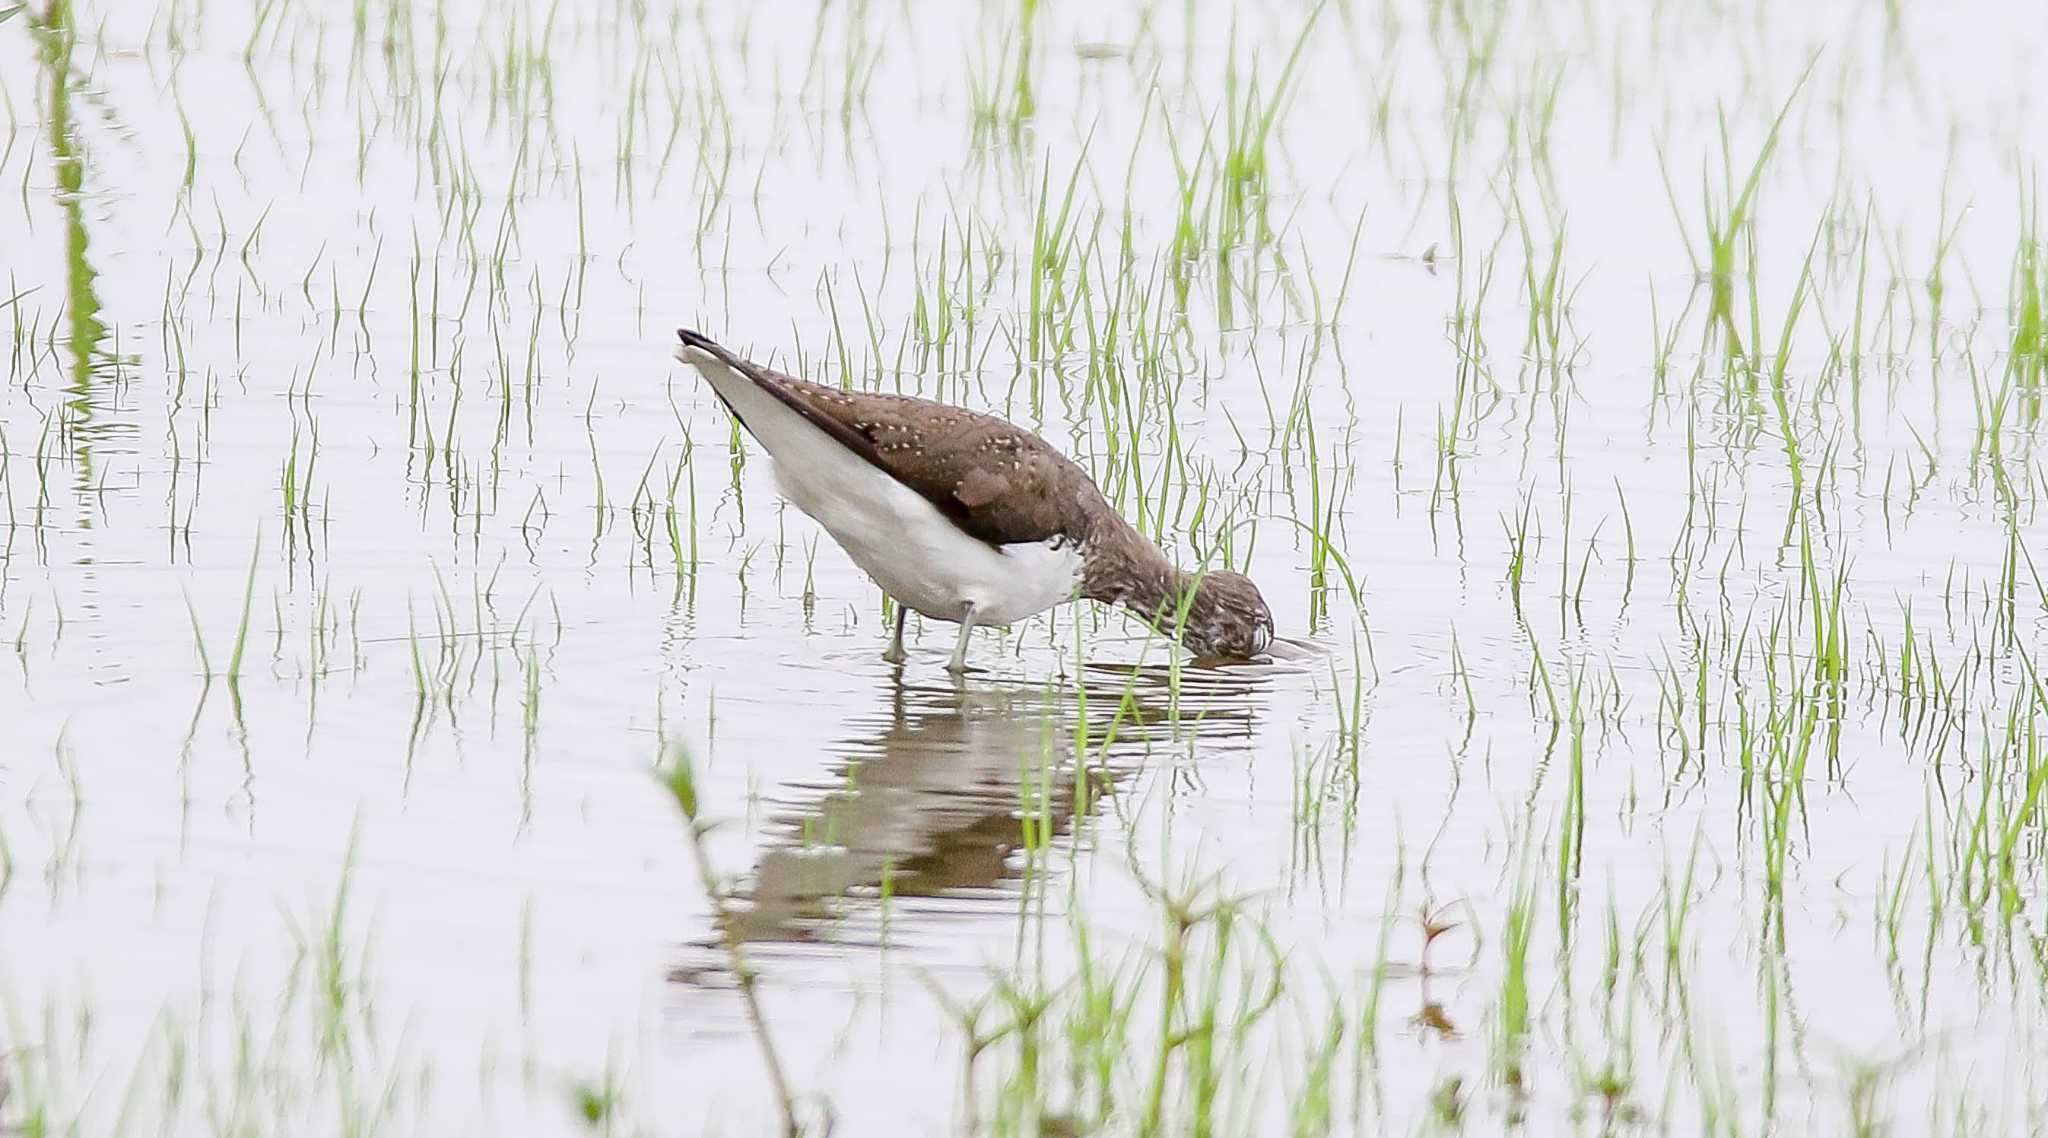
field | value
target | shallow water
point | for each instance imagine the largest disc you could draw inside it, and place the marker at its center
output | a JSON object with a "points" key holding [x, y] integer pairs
{"points": [[1673, 765]]}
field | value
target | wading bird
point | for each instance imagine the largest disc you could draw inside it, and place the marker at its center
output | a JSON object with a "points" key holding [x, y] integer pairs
{"points": [[965, 517]]}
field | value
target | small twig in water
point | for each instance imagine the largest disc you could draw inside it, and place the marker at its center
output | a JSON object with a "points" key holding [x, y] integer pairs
{"points": [[680, 777]]}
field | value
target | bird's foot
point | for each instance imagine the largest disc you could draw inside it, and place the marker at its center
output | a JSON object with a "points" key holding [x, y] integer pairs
{"points": [[894, 654]]}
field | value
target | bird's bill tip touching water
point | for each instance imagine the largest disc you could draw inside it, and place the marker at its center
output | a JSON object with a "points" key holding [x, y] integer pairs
{"points": [[1295, 648], [1275, 650]]}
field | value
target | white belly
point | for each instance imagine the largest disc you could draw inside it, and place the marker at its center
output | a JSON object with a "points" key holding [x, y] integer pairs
{"points": [[912, 551]]}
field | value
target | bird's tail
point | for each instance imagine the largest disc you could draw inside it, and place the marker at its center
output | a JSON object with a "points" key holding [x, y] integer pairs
{"points": [[692, 339], [696, 346]]}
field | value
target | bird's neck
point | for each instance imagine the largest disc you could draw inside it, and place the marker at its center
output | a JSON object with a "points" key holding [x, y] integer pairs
{"points": [[1125, 568]]}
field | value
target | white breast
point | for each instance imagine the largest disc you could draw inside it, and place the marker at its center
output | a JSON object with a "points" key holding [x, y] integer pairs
{"points": [[913, 552]]}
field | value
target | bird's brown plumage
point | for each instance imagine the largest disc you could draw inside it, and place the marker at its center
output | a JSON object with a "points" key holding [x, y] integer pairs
{"points": [[1003, 485], [996, 481]]}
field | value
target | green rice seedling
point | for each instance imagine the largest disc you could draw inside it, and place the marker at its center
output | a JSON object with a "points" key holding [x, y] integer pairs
{"points": [[57, 36], [1548, 300], [1780, 393], [1729, 224], [1935, 281], [1513, 1025], [1002, 94], [1519, 553], [2027, 360], [1248, 130], [1571, 845], [234, 672]]}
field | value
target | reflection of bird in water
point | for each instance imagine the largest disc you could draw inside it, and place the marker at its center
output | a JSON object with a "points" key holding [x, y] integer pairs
{"points": [[935, 793], [928, 802]]}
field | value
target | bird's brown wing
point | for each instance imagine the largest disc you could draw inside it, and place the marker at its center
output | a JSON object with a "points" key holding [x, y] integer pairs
{"points": [[998, 482]]}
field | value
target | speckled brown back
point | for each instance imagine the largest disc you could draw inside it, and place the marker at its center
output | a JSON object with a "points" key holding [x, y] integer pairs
{"points": [[997, 481]]}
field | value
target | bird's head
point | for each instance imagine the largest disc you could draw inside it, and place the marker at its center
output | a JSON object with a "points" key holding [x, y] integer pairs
{"points": [[1226, 616]]}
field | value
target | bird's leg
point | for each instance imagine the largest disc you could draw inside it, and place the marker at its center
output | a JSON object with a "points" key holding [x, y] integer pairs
{"points": [[894, 654], [958, 664]]}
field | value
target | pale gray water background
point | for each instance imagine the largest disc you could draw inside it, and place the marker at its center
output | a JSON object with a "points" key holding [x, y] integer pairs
{"points": [[470, 634]]}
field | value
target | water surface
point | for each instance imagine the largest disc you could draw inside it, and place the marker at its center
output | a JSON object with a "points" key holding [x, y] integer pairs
{"points": [[1669, 754]]}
